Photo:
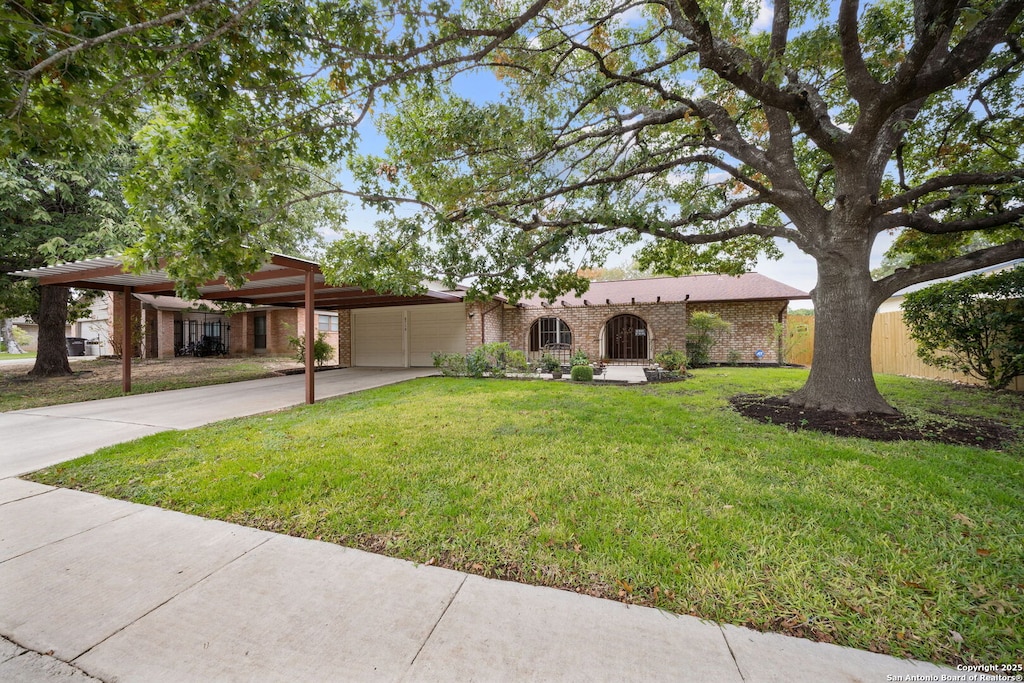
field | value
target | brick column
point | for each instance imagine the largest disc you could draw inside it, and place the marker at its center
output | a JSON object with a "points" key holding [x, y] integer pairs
{"points": [[165, 334]]}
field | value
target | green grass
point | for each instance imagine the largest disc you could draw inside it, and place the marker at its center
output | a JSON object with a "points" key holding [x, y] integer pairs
{"points": [[17, 356], [658, 495], [101, 378]]}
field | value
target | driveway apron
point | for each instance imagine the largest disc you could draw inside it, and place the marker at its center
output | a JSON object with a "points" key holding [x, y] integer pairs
{"points": [[39, 437]]}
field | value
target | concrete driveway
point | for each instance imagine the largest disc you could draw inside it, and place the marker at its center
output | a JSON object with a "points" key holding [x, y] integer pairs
{"points": [[39, 437]]}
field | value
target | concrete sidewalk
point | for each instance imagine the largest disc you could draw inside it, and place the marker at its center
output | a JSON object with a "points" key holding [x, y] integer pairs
{"points": [[126, 592], [39, 437]]}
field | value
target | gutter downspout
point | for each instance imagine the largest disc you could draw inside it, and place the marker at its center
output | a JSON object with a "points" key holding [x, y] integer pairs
{"points": [[780, 341]]}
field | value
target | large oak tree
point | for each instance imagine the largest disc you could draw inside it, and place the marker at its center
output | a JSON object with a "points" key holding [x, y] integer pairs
{"points": [[677, 123], [58, 210]]}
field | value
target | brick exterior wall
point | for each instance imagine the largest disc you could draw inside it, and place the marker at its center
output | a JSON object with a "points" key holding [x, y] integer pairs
{"points": [[281, 324], [751, 329], [241, 340], [345, 338], [484, 323], [665, 325], [164, 334]]}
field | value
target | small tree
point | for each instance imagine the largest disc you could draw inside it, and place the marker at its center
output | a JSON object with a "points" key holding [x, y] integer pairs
{"points": [[974, 325], [703, 333], [322, 351]]}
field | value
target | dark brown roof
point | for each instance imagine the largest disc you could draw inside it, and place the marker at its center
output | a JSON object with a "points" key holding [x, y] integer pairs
{"points": [[278, 282], [700, 288]]}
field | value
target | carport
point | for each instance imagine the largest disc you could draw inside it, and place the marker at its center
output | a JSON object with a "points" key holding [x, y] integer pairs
{"points": [[281, 281]]}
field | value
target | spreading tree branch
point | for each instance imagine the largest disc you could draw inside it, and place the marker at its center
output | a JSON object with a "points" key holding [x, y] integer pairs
{"points": [[982, 258]]}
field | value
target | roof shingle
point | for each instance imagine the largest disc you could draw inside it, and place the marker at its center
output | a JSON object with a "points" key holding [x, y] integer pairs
{"points": [[700, 288]]}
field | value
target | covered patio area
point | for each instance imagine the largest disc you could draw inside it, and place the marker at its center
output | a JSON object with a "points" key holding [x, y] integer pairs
{"points": [[283, 281]]}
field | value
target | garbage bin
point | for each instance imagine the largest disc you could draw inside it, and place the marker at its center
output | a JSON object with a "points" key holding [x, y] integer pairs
{"points": [[76, 346]]}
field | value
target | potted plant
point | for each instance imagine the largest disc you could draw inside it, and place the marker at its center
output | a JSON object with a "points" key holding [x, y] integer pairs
{"points": [[549, 363]]}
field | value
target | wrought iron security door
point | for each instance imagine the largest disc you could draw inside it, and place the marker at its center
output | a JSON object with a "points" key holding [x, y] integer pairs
{"points": [[626, 338]]}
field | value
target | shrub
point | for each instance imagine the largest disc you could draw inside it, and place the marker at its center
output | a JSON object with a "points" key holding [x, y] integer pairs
{"points": [[549, 363], [477, 364], [671, 359], [450, 364], [704, 330], [579, 358], [495, 358], [733, 357], [974, 325], [582, 373], [515, 361], [322, 351]]}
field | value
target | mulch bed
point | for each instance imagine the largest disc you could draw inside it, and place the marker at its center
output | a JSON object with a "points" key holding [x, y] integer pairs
{"points": [[957, 430], [654, 375]]}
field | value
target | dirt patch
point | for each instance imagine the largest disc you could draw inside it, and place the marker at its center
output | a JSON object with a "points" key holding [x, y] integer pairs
{"points": [[97, 378], [959, 430], [109, 369]]}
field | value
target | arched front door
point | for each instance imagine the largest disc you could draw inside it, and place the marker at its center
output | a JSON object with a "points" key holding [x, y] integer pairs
{"points": [[625, 338]]}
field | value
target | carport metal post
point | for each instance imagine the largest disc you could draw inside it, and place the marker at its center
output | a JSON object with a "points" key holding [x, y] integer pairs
{"points": [[310, 319], [126, 341]]}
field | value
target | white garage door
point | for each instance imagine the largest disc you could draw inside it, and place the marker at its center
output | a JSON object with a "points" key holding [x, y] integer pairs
{"points": [[407, 335], [438, 328], [378, 337]]}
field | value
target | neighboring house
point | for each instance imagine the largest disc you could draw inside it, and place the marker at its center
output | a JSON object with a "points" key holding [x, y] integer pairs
{"points": [[94, 328], [624, 321]]}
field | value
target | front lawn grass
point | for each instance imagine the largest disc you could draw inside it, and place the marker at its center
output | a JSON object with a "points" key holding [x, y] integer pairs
{"points": [[659, 495], [17, 356]]}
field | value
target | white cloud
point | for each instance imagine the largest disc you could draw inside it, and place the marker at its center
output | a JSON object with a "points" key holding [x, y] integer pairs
{"points": [[764, 17]]}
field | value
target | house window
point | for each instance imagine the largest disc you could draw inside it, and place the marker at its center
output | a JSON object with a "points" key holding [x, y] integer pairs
{"points": [[327, 323], [259, 328], [546, 332]]}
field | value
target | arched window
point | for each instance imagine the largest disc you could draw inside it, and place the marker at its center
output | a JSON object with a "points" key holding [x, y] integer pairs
{"points": [[546, 333], [625, 338]]}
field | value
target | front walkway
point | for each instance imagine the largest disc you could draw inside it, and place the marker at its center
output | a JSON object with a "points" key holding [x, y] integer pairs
{"points": [[40, 437]]}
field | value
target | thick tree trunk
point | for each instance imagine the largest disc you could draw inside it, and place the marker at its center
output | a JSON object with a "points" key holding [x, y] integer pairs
{"points": [[844, 311], [52, 350]]}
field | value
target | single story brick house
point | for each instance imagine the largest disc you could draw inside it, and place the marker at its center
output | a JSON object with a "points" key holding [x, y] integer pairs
{"points": [[621, 321]]}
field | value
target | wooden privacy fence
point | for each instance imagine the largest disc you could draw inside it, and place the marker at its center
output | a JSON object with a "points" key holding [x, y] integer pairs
{"points": [[893, 352], [802, 327]]}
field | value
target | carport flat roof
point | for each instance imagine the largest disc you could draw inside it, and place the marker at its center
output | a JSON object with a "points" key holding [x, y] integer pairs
{"points": [[279, 282]]}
